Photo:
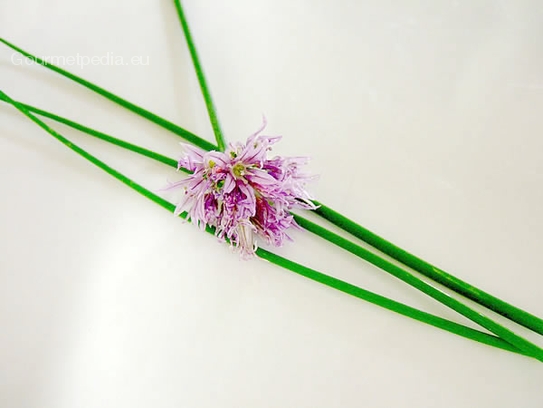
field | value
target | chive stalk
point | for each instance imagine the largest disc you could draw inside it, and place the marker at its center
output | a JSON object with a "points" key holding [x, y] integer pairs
{"points": [[309, 273]]}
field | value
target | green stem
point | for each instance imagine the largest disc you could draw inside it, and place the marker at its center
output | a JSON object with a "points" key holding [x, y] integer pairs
{"points": [[280, 261], [387, 303], [211, 110], [471, 292], [505, 309], [370, 257], [100, 135], [421, 285], [185, 134]]}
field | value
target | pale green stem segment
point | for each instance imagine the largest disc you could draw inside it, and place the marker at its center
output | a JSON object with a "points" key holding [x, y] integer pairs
{"points": [[505, 309], [211, 110], [402, 274], [340, 285]]}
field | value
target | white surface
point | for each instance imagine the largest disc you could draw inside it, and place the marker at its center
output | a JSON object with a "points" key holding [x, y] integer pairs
{"points": [[423, 119]]}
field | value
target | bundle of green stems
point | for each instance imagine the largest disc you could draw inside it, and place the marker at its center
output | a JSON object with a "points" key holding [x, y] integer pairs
{"points": [[404, 261]]}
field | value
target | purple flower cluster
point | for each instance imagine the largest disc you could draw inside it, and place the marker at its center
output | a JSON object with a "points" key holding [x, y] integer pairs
{"points": [[242, 193]]}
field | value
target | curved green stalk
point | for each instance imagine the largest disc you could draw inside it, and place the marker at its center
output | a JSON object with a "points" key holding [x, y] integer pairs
{"points": [[280, 261], [505, 309], [211, 110], [370, 257]]}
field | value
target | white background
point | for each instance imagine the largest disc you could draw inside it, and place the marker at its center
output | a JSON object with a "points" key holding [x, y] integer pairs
{"points": [[424, 120]]}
